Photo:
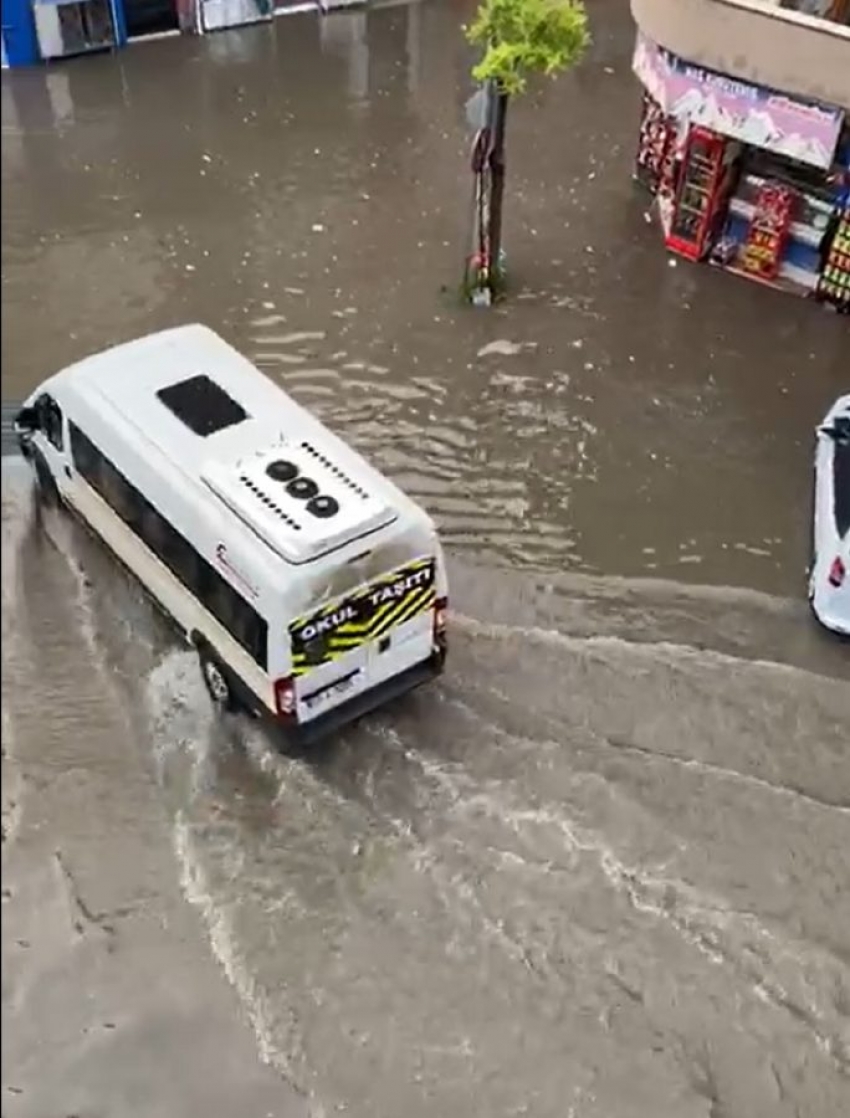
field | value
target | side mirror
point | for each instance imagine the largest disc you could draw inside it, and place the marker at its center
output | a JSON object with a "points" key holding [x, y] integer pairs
{"points": [[838, 431], [27, 420]]}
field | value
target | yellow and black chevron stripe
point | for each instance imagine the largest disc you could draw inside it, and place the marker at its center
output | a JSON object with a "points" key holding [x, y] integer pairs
{"points": [[360, 618]]}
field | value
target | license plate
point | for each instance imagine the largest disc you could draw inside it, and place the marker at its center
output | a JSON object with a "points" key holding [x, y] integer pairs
{"points": [[329, 694]]}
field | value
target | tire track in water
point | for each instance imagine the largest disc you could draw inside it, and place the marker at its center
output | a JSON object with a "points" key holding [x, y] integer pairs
{"points": [[272, 1021], [694, 915], [734, 937], [17, 512], [706, 923]]}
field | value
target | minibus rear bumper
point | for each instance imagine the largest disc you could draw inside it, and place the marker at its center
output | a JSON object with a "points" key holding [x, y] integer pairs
{"points": [[306, 733]]}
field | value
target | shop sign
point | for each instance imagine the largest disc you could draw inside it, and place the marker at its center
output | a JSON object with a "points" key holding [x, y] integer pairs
{"points": [[802, 130]]}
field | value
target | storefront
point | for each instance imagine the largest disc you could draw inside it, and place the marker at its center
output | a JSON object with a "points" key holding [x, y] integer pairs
{"points": [[40, 30], [746, 178], [215, 15], [70, 27]]}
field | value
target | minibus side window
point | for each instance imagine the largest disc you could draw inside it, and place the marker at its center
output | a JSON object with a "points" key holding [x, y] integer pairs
{"points": [[177, 554], [240, 619], [230, 608], [121, 496], [86, 458]]}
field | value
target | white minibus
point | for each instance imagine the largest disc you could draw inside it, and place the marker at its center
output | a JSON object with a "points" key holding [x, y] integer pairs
{"points": [[311, 586]]}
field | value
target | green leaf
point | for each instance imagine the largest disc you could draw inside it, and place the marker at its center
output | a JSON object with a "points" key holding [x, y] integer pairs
{"points": [[524, 37]]}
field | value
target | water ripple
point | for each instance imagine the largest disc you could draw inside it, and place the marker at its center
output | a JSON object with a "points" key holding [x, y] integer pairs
{"points": [[417, 430]]}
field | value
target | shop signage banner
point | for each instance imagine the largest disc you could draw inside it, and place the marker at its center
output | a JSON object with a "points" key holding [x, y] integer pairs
{"points": [[765, 118]]}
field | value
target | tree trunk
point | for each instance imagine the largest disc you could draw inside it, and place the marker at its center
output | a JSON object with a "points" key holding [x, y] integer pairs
{"points": [[497, 180]]}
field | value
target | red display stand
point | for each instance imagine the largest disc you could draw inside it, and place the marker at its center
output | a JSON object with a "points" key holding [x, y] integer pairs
{"points": [[768, 232], [697, 193]]}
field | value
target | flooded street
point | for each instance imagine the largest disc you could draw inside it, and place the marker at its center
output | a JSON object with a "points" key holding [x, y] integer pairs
{"points": [[599, 870]]}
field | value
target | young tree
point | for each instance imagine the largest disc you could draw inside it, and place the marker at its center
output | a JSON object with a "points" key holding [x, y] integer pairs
{"points": [[519, 38]]}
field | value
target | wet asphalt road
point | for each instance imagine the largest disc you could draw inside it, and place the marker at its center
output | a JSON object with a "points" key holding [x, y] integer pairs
{"points": [[598, 870]]}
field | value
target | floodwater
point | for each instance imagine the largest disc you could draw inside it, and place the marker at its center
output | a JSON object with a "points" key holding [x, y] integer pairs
{"points": [[599, 870]]}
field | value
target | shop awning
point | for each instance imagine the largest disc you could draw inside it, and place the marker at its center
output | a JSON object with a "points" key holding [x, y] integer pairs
{"points": [[765, 118]]}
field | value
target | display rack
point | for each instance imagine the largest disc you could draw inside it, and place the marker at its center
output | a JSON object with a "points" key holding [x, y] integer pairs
{"points": [[657, 134], [834, 286], [696, 196], [768, 231]]}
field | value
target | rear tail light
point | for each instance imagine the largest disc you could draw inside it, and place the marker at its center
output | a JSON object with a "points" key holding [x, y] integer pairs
{"points": [[837, 572], [284, 697], [441, 609]]}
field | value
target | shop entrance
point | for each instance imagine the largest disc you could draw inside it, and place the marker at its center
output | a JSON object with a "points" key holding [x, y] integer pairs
{"points": [[150, 17]]}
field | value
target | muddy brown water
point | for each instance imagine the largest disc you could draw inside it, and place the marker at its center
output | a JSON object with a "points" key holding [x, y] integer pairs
{"points": [[600, 869]]}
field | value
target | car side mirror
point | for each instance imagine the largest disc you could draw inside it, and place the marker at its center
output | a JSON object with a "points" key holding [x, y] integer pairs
{"points": [[27, 419]]}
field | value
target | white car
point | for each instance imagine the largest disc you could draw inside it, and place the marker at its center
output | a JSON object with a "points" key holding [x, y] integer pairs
{"points": [[829, 582]]}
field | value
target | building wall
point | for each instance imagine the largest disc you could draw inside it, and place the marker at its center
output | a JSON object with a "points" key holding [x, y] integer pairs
{"points": [[803, 57]]}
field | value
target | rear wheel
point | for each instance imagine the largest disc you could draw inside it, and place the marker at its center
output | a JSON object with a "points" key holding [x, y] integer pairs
{"points": [[217, 681]]}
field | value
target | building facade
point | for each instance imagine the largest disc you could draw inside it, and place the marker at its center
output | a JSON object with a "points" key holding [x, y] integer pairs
{"points": [[744, 139], [37, 31]]}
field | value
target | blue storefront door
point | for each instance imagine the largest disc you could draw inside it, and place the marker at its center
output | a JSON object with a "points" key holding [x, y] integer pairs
{"points": [[19, 39]]}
